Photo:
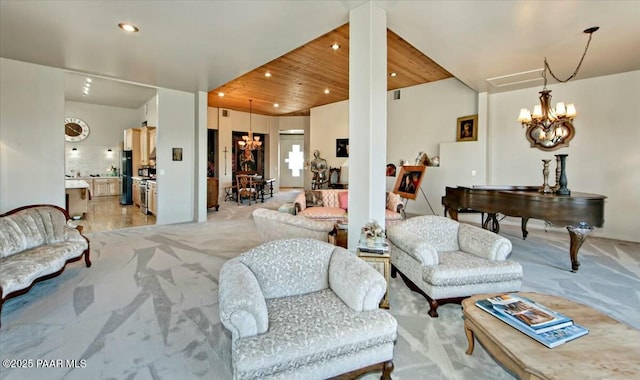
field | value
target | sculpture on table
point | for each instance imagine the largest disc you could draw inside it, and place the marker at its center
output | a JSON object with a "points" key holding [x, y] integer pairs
{"points": [[319, 169]]}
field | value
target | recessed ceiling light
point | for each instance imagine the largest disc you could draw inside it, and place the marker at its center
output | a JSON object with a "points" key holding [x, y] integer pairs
{"points": [[87, 84], [267, 74], [335, 46], [221, 94], [393, 74], [89, 80], [128, 27], [326, 91], [276, 105]]}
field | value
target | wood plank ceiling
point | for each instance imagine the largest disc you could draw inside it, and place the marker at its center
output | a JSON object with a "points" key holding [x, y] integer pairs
{"points": [[315, 74]]}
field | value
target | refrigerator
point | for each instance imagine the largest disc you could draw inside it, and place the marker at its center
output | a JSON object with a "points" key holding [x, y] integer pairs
{"points": [[126, 171]]}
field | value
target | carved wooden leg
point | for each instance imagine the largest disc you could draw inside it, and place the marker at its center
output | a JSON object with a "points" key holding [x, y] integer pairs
{"points": [[491, 223], [578, 235], [387, 368], [433, 306], [87, 260], [470, 340], [524, 228]]}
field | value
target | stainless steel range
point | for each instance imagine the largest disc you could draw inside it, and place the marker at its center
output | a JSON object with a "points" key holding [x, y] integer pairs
{"points": [[144, 201]]}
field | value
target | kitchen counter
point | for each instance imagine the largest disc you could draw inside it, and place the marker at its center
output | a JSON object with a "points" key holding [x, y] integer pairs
{"points": [[76, 184], [77, 197]]}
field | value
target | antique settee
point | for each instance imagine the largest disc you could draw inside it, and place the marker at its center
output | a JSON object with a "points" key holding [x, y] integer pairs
{"points": [[273, 225], [447, 261], [332, 205], [36, 243], [304, 309]]}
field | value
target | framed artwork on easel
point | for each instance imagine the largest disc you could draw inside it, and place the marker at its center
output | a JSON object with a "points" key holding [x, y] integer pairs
{"points": [[409, 181]]}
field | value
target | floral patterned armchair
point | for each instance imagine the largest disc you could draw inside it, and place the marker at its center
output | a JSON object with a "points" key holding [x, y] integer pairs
{"points": [[304, 309], [447, 261]]}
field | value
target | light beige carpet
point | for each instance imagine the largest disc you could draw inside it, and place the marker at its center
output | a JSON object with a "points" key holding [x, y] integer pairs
{"points": [[148, 307]]}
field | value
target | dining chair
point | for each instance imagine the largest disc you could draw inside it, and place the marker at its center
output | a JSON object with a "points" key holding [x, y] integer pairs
{"points": [[246, 188]]}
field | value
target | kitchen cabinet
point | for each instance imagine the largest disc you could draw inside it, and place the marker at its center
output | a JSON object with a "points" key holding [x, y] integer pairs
{"points": [[103, 187], [136, 192], [152, 194], [212, 193], [145, 144], [152, 146]]}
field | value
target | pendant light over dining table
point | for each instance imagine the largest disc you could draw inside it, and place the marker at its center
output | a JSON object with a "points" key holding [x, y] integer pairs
{"points": [[250, 141]]}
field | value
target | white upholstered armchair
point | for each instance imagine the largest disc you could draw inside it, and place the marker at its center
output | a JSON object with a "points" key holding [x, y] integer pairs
{"points": [[447, 261], [304, 309], [274, 225]]}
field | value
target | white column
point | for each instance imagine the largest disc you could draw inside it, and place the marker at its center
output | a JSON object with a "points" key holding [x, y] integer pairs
{"points": [[367, 117], [201, 134]]}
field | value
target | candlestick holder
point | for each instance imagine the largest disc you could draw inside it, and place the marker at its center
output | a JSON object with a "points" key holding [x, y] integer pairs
{"points": [[545, 189], [563, 176], [557, 185]]}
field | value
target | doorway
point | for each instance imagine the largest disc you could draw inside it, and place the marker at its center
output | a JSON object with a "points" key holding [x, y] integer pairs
{"points": [[291, 160], [105, 109]]}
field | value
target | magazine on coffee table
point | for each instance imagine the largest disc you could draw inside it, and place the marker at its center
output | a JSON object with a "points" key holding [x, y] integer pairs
{"points": [[532, 314], [551, 336]]}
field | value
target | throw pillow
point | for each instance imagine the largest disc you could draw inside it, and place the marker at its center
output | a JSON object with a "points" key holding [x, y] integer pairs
{"points": [[343, 200], [313, 198]]}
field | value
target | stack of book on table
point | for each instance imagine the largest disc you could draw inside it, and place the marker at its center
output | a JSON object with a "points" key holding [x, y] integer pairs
{"points": [[537, 321], [379, 247]]}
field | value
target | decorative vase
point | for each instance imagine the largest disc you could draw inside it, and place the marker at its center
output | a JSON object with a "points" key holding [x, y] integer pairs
{"points": [[563, 176], [545, 174]]}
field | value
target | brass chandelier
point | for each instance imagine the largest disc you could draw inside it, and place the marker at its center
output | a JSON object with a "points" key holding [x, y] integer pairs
{"points": [[250, 141], [547, 128]]}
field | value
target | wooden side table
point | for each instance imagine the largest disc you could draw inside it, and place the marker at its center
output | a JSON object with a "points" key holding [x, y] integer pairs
{"points": [[341, 234], [382, 263]]}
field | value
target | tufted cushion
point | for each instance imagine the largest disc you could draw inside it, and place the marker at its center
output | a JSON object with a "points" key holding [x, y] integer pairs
{"points": [[301, 333], [343, 200], [330, 197], [323, 213], [460, 268]]}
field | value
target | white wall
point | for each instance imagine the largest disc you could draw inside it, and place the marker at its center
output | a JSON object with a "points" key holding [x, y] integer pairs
{"points": [[327, 123], [31, 135], [106, 125], [425, 119], [149, 113], [604, 155], [176, 181]]}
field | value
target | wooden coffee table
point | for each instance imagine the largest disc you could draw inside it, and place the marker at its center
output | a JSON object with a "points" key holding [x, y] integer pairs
{"points": [[611, 350]]}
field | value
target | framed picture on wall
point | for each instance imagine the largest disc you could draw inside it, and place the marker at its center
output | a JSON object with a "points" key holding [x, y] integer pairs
{"points": [[176, 154], [467, 128], [342, 147], [409, 181], [391, 170]]}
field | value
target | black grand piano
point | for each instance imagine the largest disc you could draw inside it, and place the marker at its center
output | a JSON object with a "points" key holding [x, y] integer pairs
{"points": [[579, 212]]}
